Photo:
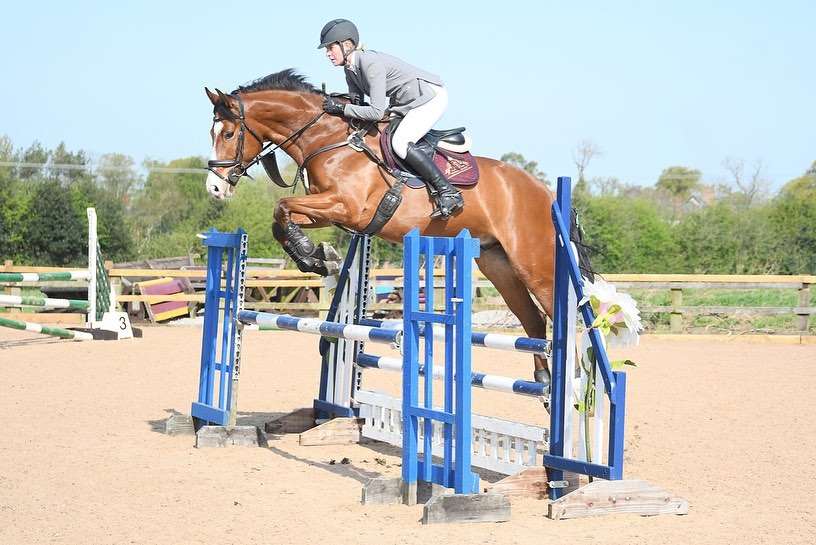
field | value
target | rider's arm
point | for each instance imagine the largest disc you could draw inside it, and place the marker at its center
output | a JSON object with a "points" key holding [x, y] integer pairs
{"points": [[354, 90], [375, 75]]}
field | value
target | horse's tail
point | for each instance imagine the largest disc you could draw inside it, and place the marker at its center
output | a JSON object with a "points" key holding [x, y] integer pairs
{"points": [[583, 249]]}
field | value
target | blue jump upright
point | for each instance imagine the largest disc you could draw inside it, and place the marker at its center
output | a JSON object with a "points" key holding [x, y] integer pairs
{"points": [[567, 273], [221, 362], [454, 471]]}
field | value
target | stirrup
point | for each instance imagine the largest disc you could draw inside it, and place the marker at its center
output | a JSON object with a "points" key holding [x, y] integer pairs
{"points": [[441, 211]]}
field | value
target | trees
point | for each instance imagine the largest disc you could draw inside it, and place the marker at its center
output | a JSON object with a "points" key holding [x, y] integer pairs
{"points": [[792, 220], [634, 228], [627, 235], [677, 182], [518, 160]]}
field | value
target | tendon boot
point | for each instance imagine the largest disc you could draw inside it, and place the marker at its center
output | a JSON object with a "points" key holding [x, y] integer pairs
{"points": [[448, 199]]}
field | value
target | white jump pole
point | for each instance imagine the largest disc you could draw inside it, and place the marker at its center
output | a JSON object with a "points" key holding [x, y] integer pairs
{"points": [[92, 242]]}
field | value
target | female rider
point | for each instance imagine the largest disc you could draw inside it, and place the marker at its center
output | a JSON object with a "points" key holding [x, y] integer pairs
{"points": [[393, 86]]}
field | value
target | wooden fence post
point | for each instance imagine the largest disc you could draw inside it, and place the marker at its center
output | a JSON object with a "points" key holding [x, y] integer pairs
{"points": [[676, 318], [804, 301]]}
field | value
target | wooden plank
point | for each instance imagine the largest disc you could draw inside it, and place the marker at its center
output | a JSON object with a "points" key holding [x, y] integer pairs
{"points": [[188, 297], [709, 278], [532, 483], [706, 285], [46, 317], [600, 498], [458, 508], [338, 431], [771, 311], [285, 306], [297, 421], [284, 283], [201, 273], [32, 269]]}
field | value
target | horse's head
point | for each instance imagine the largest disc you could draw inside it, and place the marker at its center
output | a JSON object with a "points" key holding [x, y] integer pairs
{"points": [[235, 144]]}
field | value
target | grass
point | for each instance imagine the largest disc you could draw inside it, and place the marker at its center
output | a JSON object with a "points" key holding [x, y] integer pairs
{"points": [[743, 322], [720, 323]]}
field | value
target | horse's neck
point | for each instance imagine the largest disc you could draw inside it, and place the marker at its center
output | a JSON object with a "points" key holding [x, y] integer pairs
{"points": [[328, 130]]}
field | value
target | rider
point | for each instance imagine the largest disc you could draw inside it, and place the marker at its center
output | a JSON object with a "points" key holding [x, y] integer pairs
{"points": [[393, 86]]}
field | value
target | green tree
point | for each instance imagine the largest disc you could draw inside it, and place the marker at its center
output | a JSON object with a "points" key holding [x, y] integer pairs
{"points": [[55, 234], [68, 166], [113, 228], [724, 238], [172, 207], [678, 182], [117, 174], [518, 160], [793, 217], [628, 236], [34, 154]]}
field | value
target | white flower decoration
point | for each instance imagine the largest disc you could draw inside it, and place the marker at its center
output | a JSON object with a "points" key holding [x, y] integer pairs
{"points": [[624, 326]]}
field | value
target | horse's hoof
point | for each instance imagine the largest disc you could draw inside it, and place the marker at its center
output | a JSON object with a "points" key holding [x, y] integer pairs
{"points": [[328, 253], [332, 267], [542, 376]]}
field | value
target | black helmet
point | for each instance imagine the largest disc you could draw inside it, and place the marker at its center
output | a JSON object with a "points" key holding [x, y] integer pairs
{"points": [[338, 30]]}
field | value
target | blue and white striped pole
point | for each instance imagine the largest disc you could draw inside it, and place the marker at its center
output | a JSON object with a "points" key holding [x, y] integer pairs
{"points": [[322, 327], [497, 341], [480, 380]]}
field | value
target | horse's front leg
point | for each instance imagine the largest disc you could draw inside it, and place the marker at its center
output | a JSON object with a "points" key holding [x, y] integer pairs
{"points": [[312, 211]]}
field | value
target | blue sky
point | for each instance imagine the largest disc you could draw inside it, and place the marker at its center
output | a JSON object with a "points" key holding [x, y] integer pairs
{"points": [[653, 84]]}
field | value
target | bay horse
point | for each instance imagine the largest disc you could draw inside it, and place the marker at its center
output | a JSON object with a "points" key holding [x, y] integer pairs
{"points": [[508, 210]]}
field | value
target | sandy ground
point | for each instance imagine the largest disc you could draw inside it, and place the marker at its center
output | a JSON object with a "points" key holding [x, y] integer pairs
{"points": [[83, 459]]}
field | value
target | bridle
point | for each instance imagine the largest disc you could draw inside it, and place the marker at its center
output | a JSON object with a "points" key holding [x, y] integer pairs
{"points": [[238, 168], [266, 156]]}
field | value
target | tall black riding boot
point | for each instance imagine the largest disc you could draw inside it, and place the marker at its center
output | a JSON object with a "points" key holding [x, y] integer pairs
{"points": [[448, 199]]}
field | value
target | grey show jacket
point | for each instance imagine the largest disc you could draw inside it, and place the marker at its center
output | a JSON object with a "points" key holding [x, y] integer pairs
{"points": [[392, 85]]}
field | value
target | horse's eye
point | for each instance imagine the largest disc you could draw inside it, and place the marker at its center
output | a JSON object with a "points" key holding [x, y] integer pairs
{"points": [[229, 135]]}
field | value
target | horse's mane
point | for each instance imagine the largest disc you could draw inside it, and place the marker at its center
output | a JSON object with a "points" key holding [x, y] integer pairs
{"points": [[285, 80]]}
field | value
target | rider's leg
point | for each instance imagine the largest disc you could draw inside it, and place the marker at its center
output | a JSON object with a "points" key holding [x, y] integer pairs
{"points": [[416, 123]]}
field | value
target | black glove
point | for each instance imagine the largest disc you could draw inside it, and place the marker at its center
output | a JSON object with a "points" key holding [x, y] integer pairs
{"points": [[332, 106]]}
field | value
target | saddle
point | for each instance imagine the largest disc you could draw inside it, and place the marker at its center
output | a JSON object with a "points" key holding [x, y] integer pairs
{"points": [[449, 149]]}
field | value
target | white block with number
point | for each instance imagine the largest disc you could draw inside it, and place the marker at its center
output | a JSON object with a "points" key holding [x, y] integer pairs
{"points": [[116, 321]]}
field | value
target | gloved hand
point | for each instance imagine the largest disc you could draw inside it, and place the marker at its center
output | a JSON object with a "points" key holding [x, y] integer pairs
{"points": [[333, 106]]}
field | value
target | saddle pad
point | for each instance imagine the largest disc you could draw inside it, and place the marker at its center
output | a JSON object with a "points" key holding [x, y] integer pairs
{"points": [[460, 169]]}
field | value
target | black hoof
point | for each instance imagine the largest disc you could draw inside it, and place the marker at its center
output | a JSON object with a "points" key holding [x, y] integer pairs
{"points": [[542, 376], [325, 252], [332, 267]]}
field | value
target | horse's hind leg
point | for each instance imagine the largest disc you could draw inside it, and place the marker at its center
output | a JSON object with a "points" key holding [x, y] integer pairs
{"points": [[493, 262]]}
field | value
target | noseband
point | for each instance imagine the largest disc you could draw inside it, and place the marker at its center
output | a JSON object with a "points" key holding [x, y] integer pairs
{"points": [[237, 167]]}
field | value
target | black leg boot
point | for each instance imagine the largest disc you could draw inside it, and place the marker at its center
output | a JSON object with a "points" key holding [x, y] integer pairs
{"points": [[448, 199], [302, 250]]}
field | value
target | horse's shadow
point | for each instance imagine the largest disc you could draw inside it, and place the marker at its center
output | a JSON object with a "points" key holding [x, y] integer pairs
{"points": [[343, 466], [16, 343]]}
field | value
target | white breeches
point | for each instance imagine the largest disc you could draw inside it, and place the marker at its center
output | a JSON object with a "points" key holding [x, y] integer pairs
{"points": [[418, 121]]}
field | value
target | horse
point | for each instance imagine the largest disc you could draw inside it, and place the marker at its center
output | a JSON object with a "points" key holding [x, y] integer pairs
{"points": [[509, 210]]}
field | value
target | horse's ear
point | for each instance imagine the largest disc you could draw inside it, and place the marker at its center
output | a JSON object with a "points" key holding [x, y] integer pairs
{"points": [[227, 100], [212, 96]]}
